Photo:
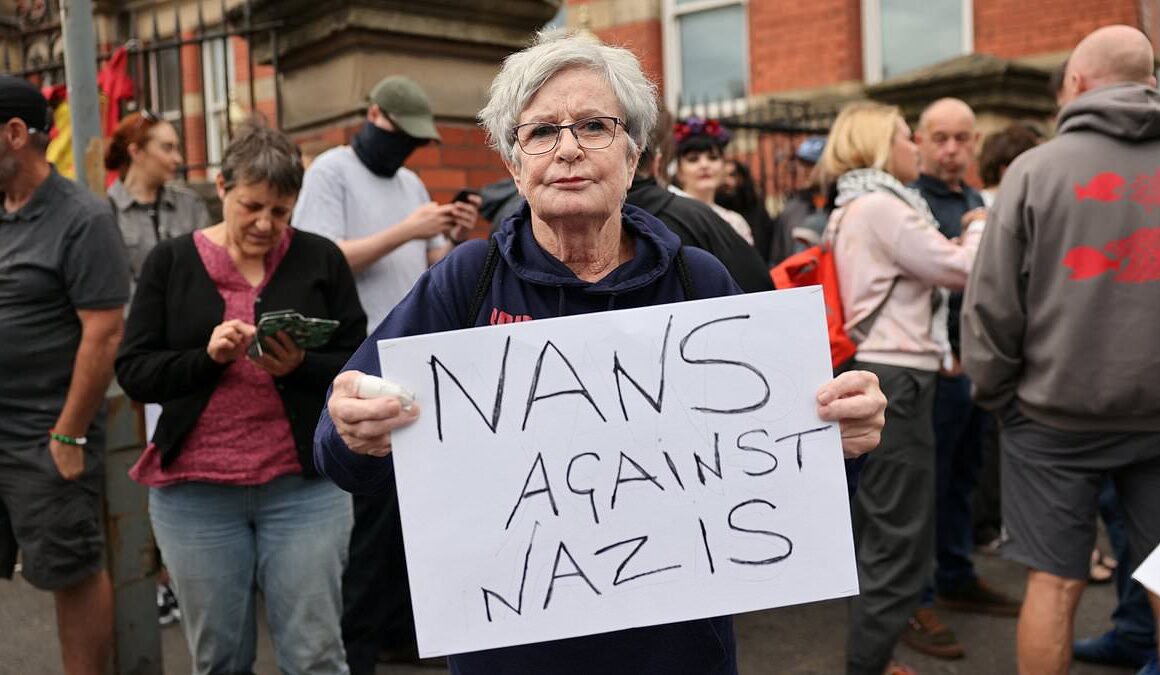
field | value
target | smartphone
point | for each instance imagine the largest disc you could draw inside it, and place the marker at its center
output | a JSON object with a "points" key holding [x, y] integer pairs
{"points": [[462, 195]]}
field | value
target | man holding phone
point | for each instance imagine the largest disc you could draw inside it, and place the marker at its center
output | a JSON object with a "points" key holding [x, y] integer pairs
{"points": [[377, 211]]}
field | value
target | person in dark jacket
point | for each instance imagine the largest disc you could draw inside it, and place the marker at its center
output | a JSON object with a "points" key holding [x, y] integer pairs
{"points": [[695, 223], [569, 116], [739, 192], [234, 498]]}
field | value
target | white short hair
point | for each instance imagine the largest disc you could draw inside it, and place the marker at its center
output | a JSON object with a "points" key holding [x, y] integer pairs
{"points": [[524, 72]]}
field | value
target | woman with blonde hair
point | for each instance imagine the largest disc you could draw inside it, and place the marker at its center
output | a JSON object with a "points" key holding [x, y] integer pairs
{"points": [[893, 268]]}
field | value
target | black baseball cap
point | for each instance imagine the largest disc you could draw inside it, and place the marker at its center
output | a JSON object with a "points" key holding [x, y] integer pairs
{"points": [[21, 99]]}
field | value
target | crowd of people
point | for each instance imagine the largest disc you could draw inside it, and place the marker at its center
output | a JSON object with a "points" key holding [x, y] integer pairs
{"points": [[996, 394]]}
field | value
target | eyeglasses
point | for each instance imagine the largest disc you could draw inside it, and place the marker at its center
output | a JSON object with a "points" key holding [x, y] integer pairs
{"points": [[591, 133]]}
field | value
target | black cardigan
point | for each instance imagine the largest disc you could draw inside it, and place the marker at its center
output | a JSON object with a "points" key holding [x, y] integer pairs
{"points": [[163, 356]]}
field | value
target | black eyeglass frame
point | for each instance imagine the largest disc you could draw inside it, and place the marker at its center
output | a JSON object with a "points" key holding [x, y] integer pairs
{"points": [[616, 121]]}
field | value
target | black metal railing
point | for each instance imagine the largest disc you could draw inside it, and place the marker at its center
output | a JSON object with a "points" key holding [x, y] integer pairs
{"points": [[766, 134], [161, 62]]}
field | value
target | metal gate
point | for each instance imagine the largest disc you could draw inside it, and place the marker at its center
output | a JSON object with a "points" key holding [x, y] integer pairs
{"points": [[167, 62]]}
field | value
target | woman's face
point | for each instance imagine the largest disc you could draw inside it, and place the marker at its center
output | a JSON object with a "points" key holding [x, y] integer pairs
{"points": [[569, 183], [701, 172], [159, 158], [256, 217], [903, 154]]}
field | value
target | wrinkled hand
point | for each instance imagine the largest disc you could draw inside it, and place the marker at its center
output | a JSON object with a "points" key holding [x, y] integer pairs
{"points": [[229, 340], [431, 219], [465, 216], [856, 402], [365, 425], [280, 356], [69, 459], [973, 215]]}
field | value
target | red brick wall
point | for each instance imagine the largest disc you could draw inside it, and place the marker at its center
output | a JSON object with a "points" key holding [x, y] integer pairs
{"points": [[1015, 28], [797, 45], [643, 38]]}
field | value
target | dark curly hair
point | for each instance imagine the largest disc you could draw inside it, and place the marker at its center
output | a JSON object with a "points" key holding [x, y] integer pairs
{"points": [[1001, 148]]}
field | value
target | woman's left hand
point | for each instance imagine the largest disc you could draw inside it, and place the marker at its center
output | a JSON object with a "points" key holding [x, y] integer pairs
{"points": [[856, 402], [280, 356]]}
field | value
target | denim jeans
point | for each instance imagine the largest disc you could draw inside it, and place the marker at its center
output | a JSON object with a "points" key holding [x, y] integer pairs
{"points": [[959, 427], [1133, 618], [224, 543]]}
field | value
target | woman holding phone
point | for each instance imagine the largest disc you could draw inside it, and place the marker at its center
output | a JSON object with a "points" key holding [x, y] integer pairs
{"points": [[234, 498]]}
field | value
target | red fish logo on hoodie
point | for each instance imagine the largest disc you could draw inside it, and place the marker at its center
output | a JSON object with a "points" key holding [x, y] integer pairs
{"points": [[1135, 258], [1104, 187]]}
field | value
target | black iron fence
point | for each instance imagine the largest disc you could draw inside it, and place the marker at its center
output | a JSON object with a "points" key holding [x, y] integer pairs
{"points": [[189, 74], [766, 134]]}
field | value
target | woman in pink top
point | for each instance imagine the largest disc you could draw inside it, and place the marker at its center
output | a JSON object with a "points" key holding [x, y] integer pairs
{"points": [[894, 267], [235, 501]]}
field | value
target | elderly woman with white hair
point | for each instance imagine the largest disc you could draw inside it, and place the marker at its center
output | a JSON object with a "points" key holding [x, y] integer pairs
{"points": [[569, 116]]}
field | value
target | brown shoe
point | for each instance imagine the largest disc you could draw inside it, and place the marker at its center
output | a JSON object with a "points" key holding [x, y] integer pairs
{"points": [[980, 598], [925, 633]]}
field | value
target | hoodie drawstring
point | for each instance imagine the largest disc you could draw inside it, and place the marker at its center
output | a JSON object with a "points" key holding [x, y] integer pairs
{"points": [[611, 301], [560, 310]]}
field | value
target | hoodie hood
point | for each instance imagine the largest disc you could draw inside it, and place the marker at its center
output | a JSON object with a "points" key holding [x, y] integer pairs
{"points": [[1127, 111], [655, 248]]}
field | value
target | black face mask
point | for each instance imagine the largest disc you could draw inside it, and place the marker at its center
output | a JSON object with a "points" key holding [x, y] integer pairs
{"points": [[382, 151]]}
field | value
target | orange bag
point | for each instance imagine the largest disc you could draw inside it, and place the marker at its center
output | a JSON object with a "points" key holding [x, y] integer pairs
{"points": [[815, 267]]}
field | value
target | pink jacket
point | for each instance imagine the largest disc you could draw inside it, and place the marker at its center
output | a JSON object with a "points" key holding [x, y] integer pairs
{"points": [[880, 238]]}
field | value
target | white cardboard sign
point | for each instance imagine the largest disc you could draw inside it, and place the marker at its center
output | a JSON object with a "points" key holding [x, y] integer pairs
{"points": [[587, 474], [1148, 573]]}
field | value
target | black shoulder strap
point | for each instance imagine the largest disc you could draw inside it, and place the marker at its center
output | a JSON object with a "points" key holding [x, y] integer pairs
{"points": [[484, 283], [683, 273]]}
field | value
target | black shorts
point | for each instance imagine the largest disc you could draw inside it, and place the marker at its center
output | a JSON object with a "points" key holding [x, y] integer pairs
{"points": [[1051, 483], [55, 524]]}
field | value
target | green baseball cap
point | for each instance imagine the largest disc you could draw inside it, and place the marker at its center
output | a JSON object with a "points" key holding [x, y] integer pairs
{"points": [[407, 106]]}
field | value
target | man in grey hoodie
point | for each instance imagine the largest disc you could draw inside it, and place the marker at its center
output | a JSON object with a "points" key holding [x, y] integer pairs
{"points": [[1059, 334]]}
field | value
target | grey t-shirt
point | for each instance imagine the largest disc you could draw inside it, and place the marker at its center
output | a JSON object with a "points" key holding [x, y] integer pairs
{"points": [[59, 253], [342, 199]]}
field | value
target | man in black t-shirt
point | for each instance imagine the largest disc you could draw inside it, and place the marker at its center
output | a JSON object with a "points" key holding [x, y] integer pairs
{"points": [[64, 281]]}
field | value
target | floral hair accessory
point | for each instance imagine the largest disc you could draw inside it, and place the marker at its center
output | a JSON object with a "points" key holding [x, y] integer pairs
{"points": [[696, 126]]}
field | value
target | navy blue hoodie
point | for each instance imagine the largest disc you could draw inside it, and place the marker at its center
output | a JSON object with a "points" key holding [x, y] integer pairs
{"points": [[531, 284]]}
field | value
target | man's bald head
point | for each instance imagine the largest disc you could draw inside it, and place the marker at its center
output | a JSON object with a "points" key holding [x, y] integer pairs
{"points": [[1109, 55], [946, 138]]}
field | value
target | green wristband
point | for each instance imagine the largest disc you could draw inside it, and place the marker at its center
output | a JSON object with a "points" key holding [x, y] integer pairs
{"points": [[78, 441]]}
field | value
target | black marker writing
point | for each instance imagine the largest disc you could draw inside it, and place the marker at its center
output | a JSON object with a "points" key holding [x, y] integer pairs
{"points": [[673, 469], [799, 441], [701, 465], [519, 608], [617, 370], [495, 411], [750, 448], [577, 572], [641, 475], [738, 528], [705, 541], [526, 494], [590, 492], [726, 362], [532, 392], [640, 541]]}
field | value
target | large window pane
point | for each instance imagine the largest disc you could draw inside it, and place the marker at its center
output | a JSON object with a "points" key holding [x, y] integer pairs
{"points": [[917, 34], [713, 54]]}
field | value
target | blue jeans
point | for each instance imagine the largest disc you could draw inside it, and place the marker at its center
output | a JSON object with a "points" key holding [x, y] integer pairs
{"points": [[1133, 618], [223, 543], [959, 427]]}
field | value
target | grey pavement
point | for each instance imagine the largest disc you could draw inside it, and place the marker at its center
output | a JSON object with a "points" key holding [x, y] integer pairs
{"points": [[804, 640]]}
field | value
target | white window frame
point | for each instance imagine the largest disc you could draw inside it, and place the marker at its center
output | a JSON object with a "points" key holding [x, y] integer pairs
{"points": [[671, 41], [216, 101], [872, 36], [171, 115]]}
